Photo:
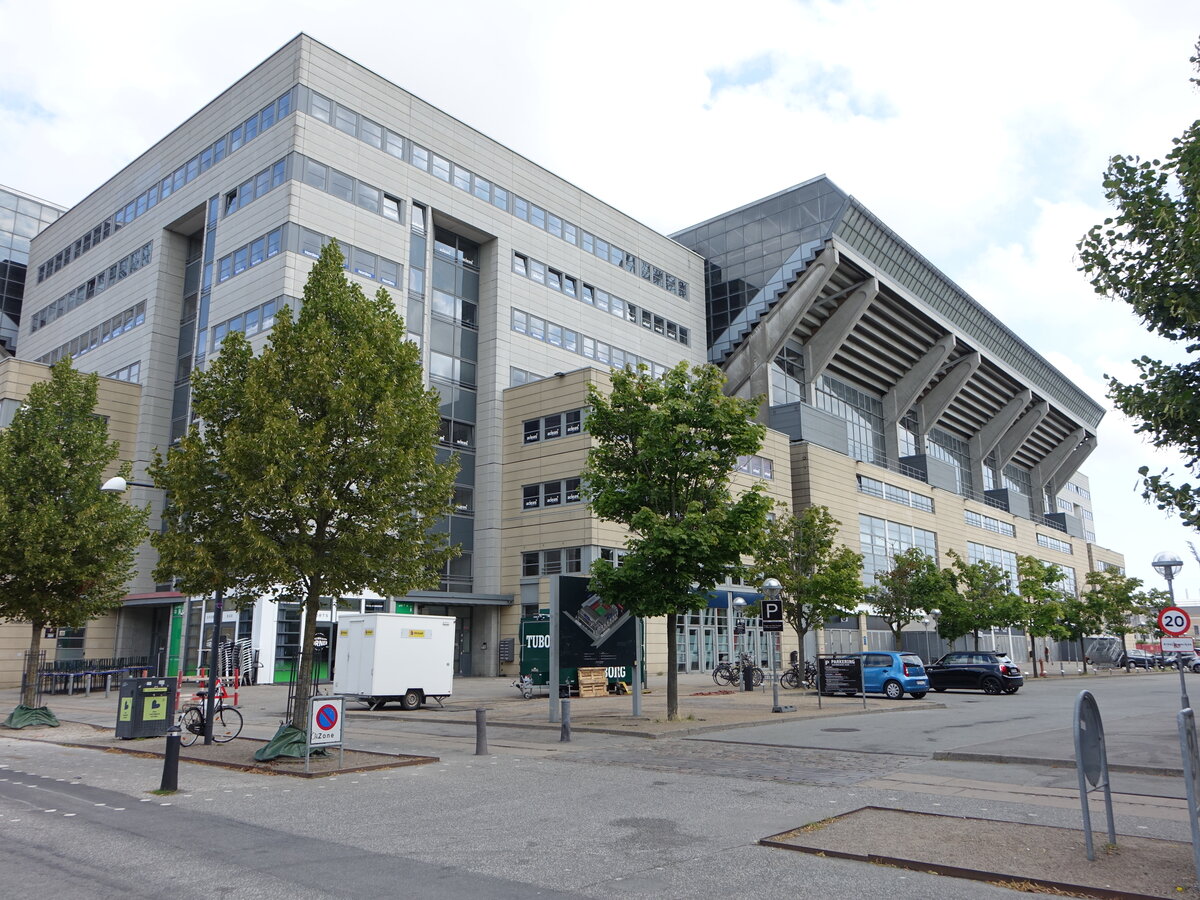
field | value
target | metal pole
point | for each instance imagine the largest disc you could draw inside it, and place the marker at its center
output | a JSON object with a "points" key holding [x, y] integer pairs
{"points": [[637, 666], [481, 732], [1184, 704], [170, 773], [775, 672], [565, 735], [211, 699]]}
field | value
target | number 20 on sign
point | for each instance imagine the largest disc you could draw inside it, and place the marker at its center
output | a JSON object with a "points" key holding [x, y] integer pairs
{"points": [[1174, 620]]}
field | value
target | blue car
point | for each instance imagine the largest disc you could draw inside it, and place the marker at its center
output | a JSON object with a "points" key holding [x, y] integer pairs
{"points": [[889, 672]]}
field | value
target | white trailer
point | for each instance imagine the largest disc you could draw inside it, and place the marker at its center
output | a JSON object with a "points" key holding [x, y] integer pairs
{"points": [[382, 657]]}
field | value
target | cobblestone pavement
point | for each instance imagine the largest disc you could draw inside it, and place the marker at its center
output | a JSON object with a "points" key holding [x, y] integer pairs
{"points": [[789, 765]]}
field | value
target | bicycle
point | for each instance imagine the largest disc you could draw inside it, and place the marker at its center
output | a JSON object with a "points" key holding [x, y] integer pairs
{"points": [[793, 679], [732, 673], [227, 721]]}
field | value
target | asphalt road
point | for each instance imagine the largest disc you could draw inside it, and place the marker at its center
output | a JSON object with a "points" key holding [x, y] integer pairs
{"points": [[610, 816]]}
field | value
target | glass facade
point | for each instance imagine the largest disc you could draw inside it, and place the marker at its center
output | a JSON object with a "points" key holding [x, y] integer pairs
{"points": [[21, 217]]}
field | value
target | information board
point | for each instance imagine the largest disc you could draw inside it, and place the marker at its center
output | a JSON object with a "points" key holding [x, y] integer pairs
{"points": [[840, 674]]}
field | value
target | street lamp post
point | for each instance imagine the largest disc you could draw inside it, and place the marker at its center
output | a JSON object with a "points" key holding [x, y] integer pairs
{"points": [[1168, 565], [739, 606], [771, 589]]}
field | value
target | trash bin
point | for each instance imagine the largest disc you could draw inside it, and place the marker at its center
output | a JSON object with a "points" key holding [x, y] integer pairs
{"points": [[145, 707]]}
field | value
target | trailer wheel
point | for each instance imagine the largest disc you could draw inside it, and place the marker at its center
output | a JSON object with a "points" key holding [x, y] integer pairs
{"points": [[411, 700]]}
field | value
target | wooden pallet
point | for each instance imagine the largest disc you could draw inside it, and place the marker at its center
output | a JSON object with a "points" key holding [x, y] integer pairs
{"points": [[593, 683]]}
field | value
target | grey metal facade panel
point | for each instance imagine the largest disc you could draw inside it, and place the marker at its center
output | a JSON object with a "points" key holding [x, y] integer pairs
{"points": [[802, 422]]}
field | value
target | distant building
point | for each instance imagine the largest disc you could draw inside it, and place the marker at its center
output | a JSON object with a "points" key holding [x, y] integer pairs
{"points": [[21, 217]]}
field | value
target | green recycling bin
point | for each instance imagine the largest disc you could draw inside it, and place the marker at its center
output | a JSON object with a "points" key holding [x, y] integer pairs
{"points": [[145, 707]]}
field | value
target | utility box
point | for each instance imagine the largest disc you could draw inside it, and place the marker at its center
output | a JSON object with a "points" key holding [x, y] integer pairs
{"points": [[384, 657], [145, 707]]}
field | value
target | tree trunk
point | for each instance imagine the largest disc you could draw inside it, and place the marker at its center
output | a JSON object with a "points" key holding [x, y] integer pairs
{"points": [[312, 603], [30, 692], [800, 656], [672, 670], [896, 636], [1082, 656]]}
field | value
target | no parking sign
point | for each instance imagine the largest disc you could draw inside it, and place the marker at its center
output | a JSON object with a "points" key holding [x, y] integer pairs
{"points": [[324, 721]]}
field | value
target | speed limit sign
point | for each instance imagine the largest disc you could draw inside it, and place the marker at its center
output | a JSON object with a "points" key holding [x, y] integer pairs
{"points": [[1174, 620]]}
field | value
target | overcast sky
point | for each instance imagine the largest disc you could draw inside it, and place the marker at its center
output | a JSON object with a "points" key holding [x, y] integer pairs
{"points": [[978, 132]]}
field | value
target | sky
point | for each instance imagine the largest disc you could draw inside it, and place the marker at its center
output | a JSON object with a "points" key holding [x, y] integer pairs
{"points": [[978, 132]]}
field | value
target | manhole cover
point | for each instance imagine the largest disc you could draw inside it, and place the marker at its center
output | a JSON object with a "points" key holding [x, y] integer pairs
{"points": [[841, 730]]}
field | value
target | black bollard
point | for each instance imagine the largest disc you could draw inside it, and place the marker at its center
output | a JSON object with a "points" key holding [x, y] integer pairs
{"points": [[170, 773], [481, 732], [748, 676], [565, 736]]}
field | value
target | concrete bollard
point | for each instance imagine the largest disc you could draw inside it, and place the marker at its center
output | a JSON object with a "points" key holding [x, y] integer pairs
{"points": [[170, 773], [565, 737], [481, 732]]}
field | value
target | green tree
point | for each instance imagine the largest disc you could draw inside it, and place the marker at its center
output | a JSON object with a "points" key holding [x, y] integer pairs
{"points": [[1105, 607], [313, 471], [820, 579], [66, 548], [982, 599], [665, 449], [909, 589], [1040, 586], [1148, 255]]}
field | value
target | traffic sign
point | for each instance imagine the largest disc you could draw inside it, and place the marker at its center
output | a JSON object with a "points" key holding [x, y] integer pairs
{"points": [[1174, 620], [1177, 645], [772, 615], [325, 721]]}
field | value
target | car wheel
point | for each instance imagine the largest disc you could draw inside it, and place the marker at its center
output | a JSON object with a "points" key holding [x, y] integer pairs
{"points": [[893, 691], [411, 700], [991, 685], [918, 695]]}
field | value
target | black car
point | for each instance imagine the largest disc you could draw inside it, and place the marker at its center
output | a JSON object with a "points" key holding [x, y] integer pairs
{"points": [[1137, 659], [975, 671]]}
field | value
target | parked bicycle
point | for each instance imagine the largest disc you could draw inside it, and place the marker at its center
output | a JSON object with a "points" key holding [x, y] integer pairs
{"points": [[794, 678], [227, 721], [733, 673]]}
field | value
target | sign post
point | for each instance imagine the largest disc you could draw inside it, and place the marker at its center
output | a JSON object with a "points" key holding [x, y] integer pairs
{"points": [[1175, 621]]}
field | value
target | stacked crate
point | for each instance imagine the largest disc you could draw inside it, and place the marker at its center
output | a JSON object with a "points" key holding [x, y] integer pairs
{"points": [[593, 682]]}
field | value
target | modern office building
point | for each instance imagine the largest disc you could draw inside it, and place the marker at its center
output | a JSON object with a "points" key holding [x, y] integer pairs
{"points": [[885, 381], [21, 217]]}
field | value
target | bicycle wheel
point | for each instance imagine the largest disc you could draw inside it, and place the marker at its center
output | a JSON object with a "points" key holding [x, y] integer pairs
{"points": [[191, 726], [227, 724], [757, 676], [720, 674], [790, 679]]}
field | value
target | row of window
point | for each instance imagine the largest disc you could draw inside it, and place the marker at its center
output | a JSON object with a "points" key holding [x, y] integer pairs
{"points": [[249, 255], [131, 372], [547, 428], [370, 132], [549, 494], [225, 145], [352, 190], [97, 284], [1051, 543], [593, 296], [566, 560], [1005, 560], [521, 376], [1079, 489], [101, 334], [880, 540], [757, 466], [981, 521], [359, 261], [253, 321], [253, 188], [460, 435], [560, 336], [884, 491]]}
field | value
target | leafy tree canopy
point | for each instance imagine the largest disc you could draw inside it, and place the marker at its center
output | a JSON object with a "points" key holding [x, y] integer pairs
{"points": [[820, 580], [664, 452], [66, 547], [913, 586], [314, 470], [982, 599], [1148, 255]]}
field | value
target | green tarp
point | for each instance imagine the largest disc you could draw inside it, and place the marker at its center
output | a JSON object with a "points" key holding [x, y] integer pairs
{"points": [[288, 741], [24, 716]]}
